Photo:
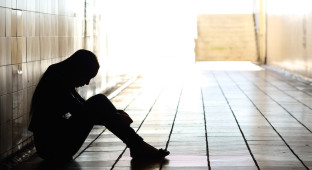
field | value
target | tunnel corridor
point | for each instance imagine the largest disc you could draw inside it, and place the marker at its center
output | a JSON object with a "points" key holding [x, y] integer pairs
{"points": [[220, 84]]}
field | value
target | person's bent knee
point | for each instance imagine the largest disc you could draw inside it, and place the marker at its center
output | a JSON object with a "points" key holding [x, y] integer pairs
{"points": [[97, 100], [98, 97], [100, 103]]}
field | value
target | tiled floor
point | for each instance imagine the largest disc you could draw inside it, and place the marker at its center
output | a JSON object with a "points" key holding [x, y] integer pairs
{"points": [[213, 118]]}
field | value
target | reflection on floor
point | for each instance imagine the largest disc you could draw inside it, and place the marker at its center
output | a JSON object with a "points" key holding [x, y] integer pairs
{"points": [[209, 118]]}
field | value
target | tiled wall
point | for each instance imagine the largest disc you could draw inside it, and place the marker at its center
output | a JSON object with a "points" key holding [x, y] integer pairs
{"points": [[33, 35], [288, 35]]}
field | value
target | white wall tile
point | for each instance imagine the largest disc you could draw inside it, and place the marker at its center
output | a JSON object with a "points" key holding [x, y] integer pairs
{"points": [[15, 77], [45, 64], [19, 103], [33, 73], [5, 108], [14, 23], [5, 52], [2, 22], [21, 49], [29, 74], [32, 24], [21, 4], [2, 3], [24, 23], [30, 5], [44, 48], [43, 6], [54, 7], [5, 137], [33, 49], [8, 3], [19, 23], [14, 50], [30, 92], [42, 22], [19, 129], [21, 76], [54, 47], [37, 72], [8, 22], [5, 79], [13, 2]]}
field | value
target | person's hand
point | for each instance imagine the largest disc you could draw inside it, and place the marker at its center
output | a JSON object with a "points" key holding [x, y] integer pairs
{"points": [[126, 118]]}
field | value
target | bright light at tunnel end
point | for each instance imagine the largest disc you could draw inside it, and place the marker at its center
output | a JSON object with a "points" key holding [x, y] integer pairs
{"points": [[228, 66]]}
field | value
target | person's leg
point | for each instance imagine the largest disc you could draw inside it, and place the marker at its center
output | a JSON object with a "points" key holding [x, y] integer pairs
{"points": [[101, 111], [77, 132]]}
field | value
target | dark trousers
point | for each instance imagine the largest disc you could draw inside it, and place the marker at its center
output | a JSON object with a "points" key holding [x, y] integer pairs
{"points": [[63, 141]]}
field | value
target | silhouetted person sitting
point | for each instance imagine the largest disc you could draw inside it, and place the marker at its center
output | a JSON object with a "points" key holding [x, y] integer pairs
{"points": [[62, 119]]}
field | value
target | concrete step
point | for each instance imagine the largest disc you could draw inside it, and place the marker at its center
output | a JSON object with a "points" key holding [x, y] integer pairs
{"points": [[225, 37]]}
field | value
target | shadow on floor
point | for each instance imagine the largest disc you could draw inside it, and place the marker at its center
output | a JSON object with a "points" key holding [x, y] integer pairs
{"points": [[139, 164]]}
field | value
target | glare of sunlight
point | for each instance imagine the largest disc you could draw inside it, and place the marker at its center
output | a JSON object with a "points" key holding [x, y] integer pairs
{"points": [[228, 66], [284, 7], [225, 6], [157, 36]]}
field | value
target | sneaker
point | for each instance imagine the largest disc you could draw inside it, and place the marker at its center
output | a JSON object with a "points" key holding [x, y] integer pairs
{"points": [[147, 151]]}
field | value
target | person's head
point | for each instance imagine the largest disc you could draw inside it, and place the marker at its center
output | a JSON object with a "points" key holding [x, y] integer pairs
{"points": [[83, 66]]}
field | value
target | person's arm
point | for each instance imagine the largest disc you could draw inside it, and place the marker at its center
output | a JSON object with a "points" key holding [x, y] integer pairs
{"points": [[73, 102], [77, 96], [126, 118]]}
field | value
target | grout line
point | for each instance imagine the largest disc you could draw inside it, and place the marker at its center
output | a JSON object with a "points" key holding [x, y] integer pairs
{"points": [[173, 122], [300, 78], [240, 129], [113, 166], [284, 107], [287, 95], [167, 144], [206, 134], [291, 79], [268, 120]]}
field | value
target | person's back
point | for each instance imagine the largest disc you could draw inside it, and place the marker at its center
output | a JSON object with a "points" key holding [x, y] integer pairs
{"points": [[46, 102]]}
